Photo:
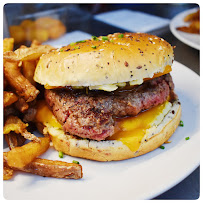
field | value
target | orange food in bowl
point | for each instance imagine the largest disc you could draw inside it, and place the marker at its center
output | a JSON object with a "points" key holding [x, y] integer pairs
{"points": [[41, 34], [27, 24], [47, 22], [41, 29], [56, 32], [17, 33]]}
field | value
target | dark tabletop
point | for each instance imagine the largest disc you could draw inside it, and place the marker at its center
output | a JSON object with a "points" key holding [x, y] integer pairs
{"points": [[189, 188]]}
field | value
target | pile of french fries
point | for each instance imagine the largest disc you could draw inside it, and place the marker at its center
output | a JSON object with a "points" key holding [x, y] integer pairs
{"points": [[20, 99], [194, 23]]}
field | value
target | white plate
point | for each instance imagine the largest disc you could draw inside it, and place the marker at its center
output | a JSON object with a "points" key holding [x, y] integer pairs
{"points": [[143, 177], [192, 40]]}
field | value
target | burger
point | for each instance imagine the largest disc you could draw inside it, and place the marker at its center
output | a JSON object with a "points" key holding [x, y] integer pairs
{"points": [[110, 97]]}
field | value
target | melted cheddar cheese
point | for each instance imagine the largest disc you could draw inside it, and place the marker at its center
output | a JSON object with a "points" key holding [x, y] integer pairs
{"points": [[131, 130], [167, 70], [45, 116]]}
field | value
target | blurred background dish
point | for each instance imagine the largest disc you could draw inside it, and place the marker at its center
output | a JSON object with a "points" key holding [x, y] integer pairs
{"points": [[45, 24], [193, 20], [191, 39]]}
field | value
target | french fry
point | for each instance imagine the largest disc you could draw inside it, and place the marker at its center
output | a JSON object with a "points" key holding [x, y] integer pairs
{"points": [[29, 70], [7, 173], [9, 98], [10, 56], [35, 43], [14, 140], [30, 114], [13, 123], [195, 25], [192, 16], [21, 105], [10, 110], [22, 47], [5, 83], [42, 128], [27, 53], [49, 168], [56, 169], [188, 29], [22, 86], [19, 157], [32, 53], [8, 44], [30, 136]]}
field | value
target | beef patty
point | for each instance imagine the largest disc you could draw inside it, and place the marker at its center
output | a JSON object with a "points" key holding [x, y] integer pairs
{"points": [[93, 115]]}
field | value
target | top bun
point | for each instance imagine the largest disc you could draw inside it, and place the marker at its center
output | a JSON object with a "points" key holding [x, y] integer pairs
{"points": [[105, 60]]}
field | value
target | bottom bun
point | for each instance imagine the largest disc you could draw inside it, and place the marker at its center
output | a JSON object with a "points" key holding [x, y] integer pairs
{"points": [[112, 150]]}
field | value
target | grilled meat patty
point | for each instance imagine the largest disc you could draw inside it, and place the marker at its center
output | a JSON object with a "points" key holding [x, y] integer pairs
{"points": [[93, 115]]}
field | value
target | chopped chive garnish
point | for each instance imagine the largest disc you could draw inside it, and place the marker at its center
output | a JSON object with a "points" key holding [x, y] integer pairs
{"points": [[94, 47], [77, 47], [95, 38], [81, 41], [121, 36], [104, 38], [61, 50], [162, 147], [111, 41], [60, 154], [73, 43], [76, 162], [187, 138], [181, 124]]}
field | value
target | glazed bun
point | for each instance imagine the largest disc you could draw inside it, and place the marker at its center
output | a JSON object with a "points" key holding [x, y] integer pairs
{"points": [[111, 150], [106, 60]]}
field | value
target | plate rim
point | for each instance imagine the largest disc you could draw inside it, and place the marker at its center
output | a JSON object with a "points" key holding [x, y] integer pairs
{"points": [[195, 166]]}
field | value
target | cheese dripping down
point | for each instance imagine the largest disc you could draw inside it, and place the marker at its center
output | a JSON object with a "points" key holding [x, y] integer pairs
{"points": [[131, 130]]}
